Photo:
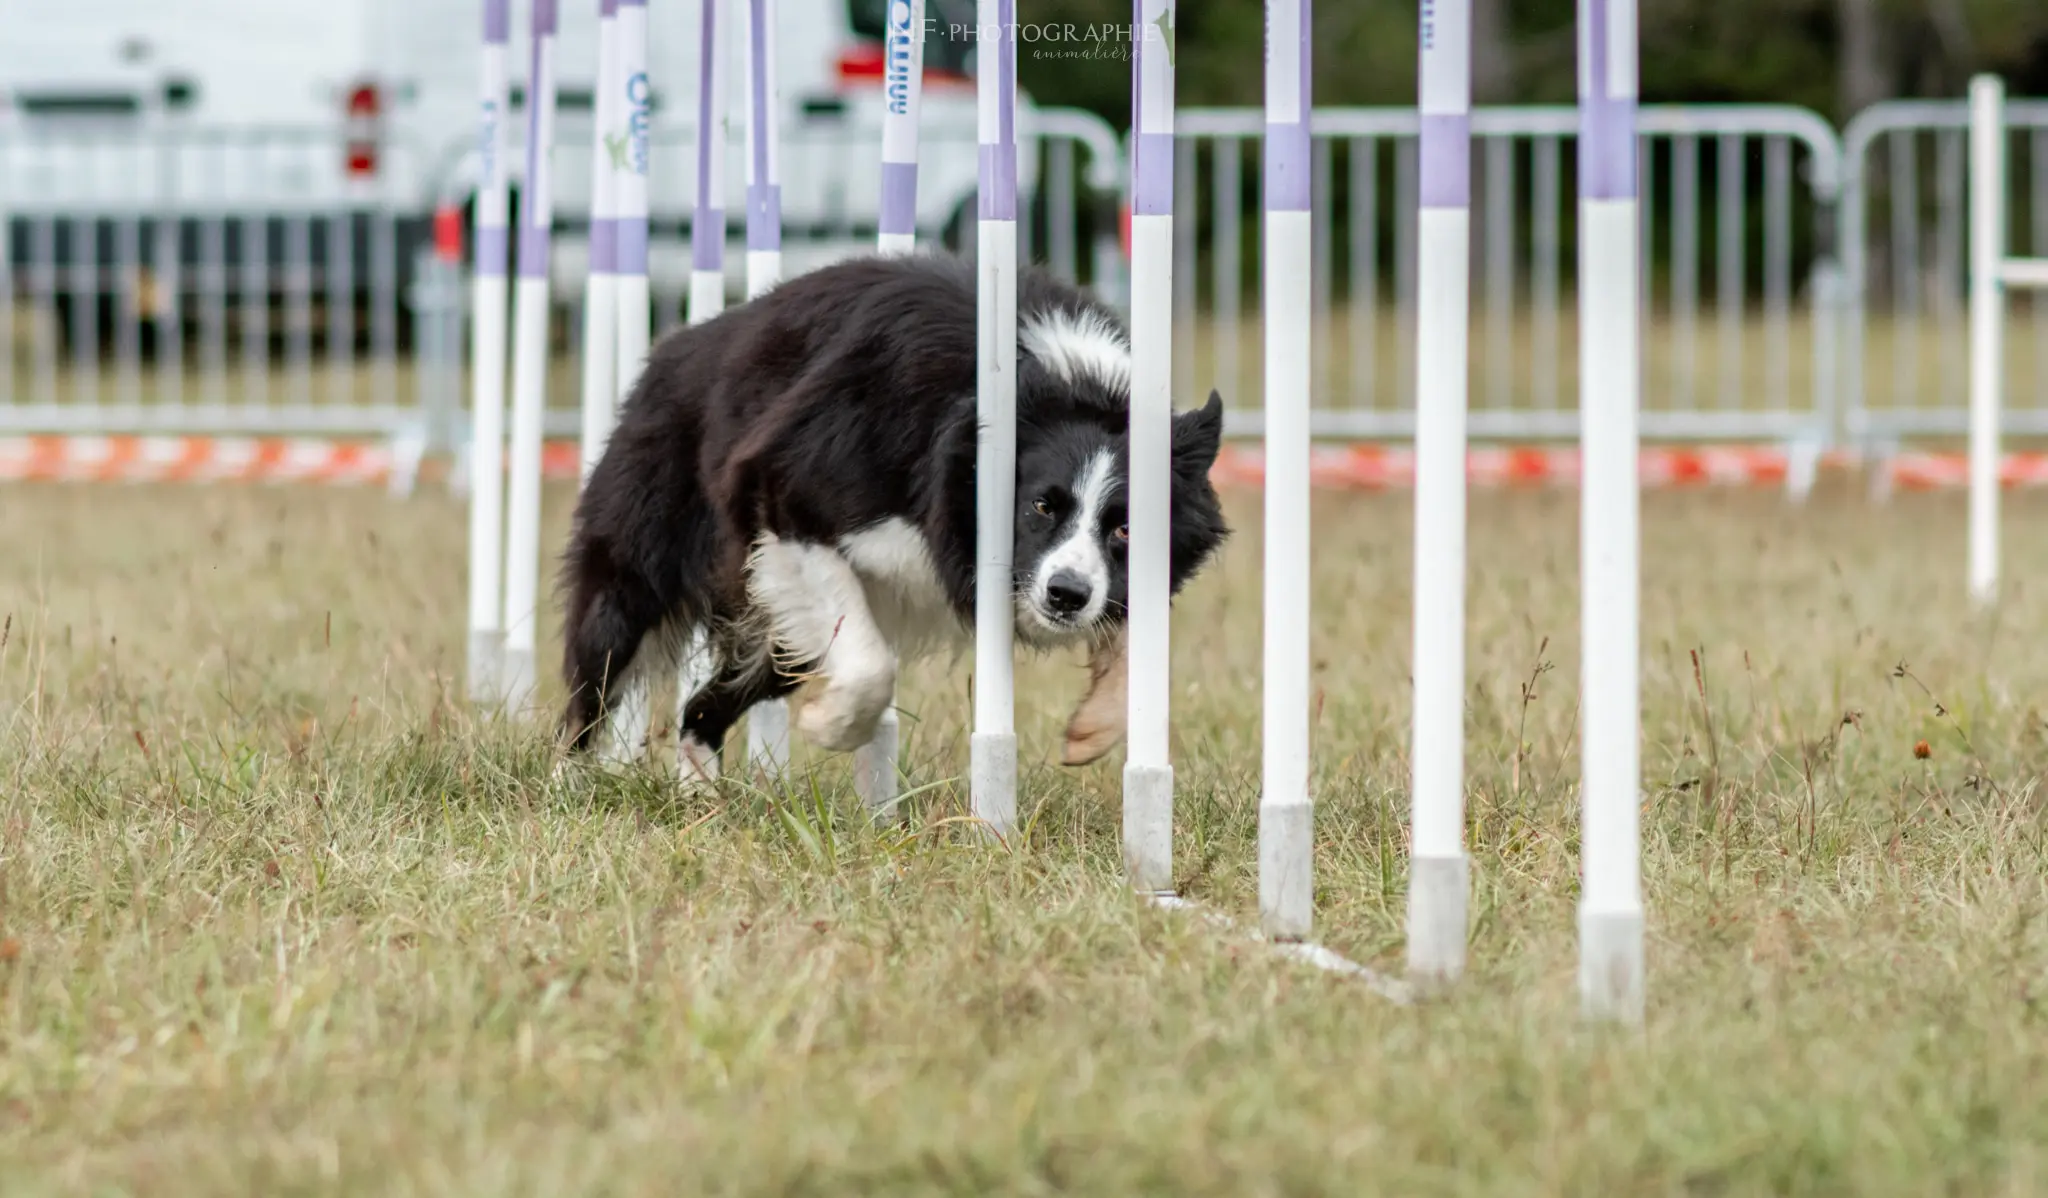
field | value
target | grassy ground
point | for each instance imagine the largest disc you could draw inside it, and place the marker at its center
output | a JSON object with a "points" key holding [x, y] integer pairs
{"points": [[277, 914]]}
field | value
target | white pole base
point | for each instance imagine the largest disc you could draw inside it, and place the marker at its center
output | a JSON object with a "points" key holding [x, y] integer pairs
{"points": [[1439, 892], [1287, 869], [516, 677], [764, 271], [768, 739], [707, 295], [486, 664], [992, 780], [874, 770], [1611, 965], [1148, 828], [896, 243]]}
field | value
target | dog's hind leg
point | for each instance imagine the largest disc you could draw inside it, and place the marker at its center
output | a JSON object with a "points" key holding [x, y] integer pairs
{"points": [[612, 625], [698, 666], [707, 715], [820, 614]]}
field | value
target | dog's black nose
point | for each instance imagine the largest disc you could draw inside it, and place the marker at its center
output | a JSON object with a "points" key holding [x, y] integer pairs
{"points": [[1066, 592]]}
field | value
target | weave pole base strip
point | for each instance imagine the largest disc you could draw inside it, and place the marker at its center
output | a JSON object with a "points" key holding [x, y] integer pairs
{"points": [[1361, 467], [1392, 989]]}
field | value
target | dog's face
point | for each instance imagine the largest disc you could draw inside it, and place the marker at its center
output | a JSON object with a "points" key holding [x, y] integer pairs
{"points": [[1072, 535]]}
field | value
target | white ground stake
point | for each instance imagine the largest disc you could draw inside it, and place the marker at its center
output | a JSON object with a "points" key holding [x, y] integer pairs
{"points": [[1610, 356], [992, 766], [707, 222], [629, 182], [1148, 769], [529, 370], [874, 764], [1991, 272], [487, 377], [600, 297], [1438, 881], [1286, 812], [767, 723]]}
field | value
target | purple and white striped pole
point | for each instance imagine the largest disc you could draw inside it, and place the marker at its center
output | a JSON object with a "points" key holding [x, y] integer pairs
{"points": [[1610, 357], [902, 100], [767, 723], [1286, 812], [629, 162], [1148, 769], [874, 764], [714, 133], [1438, 882], [487, 377], [529, 369], [600, 295], [992, 765], [764, 151]]}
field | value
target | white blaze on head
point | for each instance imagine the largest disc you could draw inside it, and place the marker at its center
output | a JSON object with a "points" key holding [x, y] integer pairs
{"points": [[1080, 551], [1081, 344]]}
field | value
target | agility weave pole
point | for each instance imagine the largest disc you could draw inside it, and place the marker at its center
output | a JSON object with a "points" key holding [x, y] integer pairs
{"points": [[767, 722], [602, 371], [489, 295], [992, 748], [1148, 770], [875, 763], [529, 373], [1439, 882], [1610, 382]]}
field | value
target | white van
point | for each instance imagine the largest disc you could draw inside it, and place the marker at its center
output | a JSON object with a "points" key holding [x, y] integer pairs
{"points": [[263, 116]]}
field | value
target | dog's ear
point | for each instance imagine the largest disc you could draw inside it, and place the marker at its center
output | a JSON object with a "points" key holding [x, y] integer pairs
{"points": [[1198, 438]]}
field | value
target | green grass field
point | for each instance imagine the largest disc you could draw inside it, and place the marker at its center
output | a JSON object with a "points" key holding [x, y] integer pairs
{"points": [[279, 914]]}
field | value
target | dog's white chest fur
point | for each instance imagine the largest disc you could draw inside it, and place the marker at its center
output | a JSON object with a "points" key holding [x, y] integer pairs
{"points": [[903, 590]]}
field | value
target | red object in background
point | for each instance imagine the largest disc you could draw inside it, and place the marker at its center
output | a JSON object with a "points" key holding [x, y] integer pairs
{"points": [[448, 233], [867, 62], [364, 106], [1123, 229]]}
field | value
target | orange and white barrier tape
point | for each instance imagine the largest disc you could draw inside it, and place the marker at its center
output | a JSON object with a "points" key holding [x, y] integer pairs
{"points": [[150, 459]]}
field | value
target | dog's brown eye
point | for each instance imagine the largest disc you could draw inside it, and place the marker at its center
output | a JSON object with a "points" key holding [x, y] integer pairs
{"points": [[1041, 507], [1123, 532]]}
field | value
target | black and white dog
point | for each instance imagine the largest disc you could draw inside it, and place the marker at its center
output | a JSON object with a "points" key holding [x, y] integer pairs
{"points": [[788, 501]]}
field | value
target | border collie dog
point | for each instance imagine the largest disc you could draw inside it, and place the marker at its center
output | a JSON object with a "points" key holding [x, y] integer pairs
{"points": [[788, 502]]}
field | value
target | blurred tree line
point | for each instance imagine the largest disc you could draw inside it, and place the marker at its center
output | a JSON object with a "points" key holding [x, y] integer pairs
{"points": [[1834, 56]]}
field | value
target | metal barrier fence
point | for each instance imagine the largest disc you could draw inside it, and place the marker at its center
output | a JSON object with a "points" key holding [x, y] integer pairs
{"points": [[1905, 245], [184, 280], [173, 280], [1761, 369]]}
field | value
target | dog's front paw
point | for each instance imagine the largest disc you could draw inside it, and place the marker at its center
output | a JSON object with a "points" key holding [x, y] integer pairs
{"points": [[842, 715], [1098, 720]]}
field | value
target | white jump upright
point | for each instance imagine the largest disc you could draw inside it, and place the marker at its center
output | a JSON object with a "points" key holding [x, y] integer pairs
{"points": [[1991, 273], [529, 370], [707, 221], [1148, 768], [1610, 374], [874, 764], [992, 765], [767, 723], [1286, 811], [1438, 876], [629, 164], [489, 295], [600, 296]]}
